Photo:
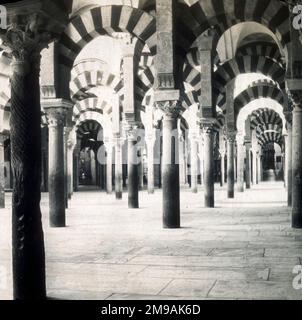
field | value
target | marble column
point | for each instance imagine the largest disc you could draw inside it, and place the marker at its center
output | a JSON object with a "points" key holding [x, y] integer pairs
{"points": [[259, 167], [248, 165], [70, 166], [182, 171], [209, 199], [133, 163], [141, 169], [150, 142], [118, 167], [28, 32], [222, 169], [297, 161], [67, 131], [76, 161], [240, 162], [194, 162], [254, 164], [289, 163], [230, 164], [109, 159], [56, 111], [2, 176], [170, 161]]}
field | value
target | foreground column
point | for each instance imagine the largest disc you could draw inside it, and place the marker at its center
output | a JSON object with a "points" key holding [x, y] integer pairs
{"points": [[230, 165], [133, 176], [56, 111], [289, 152], [170, 162], [208, 166], [2, 177], [297, 164]]}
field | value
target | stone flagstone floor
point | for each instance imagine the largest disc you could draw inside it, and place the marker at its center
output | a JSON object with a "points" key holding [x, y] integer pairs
{"points": [[242, 249]]}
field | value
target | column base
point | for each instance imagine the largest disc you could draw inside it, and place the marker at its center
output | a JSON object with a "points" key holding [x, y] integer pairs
{"points": [[231, 195], [240, 189], [209, 203], [119, 195], [194, 190], [297, 218]]}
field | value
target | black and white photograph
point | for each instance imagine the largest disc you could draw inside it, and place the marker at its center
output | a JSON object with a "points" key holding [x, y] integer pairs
{"points": [[150, 150]]}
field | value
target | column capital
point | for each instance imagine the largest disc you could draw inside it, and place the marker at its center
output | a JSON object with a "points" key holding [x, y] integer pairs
{"points": [[168, 101], [131, 129], [57, 111], [3, 138], [31, 26], [231, 136], [207, 125], [295, 92]]}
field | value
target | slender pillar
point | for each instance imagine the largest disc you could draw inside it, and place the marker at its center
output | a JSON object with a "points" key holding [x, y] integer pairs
{"points": [[67, 131], [150, 152], [240, 163], [141, 169], [70, 168], [230, 165], [56, 111], [170, 162], [2, 177], [109, 168], [76, 160], [248, 165], [257, 167], [209, 166], [297, 165], [254, 164], [289, 164], [118, 168], [194, 163], [222, 169], [133, 178]]}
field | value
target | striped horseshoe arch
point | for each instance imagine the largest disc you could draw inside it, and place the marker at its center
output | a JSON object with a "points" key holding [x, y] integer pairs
{"points": [[248, 64], [270, 137], [90, 127], [92, 104], [90, 79], [257, 91], [263, 49], [106, 20], [262, 117], [224, 14]]}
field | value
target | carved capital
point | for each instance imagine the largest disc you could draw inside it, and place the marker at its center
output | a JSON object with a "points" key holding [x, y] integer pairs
{"points": [[296, 98], [56, 116], [31, 27], [57, 112], [170, 108], [207, 125], [231, 136], [131, 130]]}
